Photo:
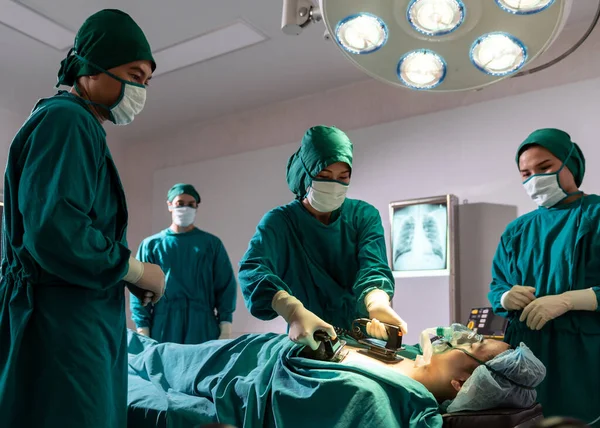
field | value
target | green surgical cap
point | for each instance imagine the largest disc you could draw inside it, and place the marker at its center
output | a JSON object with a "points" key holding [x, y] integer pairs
{"points": [[107, 39], [559, 144], [321, 147], [182, 189]]}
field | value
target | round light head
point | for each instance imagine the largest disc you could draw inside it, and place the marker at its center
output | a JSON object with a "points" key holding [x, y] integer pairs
{"points": [[421, 69], [524, 7], [498, 54], [435, 17], [361, 34]]}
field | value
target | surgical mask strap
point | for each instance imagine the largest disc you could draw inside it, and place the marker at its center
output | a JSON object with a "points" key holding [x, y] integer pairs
{"points": [[100, 69], [562, 166], [108, 73], [315, 178]]}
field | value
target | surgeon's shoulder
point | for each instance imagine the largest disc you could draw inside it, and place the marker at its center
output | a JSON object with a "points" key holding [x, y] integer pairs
{"points": [[516, 226], [593, 201], [277, 216], [208, 237], [149, 244], [592, 204], [153, 239], [360, 210], [64, 110]]}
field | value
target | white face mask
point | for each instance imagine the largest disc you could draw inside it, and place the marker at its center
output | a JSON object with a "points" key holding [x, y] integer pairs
{"points": [[130, 104], [545, 189], [183, 216], [326, 196]]}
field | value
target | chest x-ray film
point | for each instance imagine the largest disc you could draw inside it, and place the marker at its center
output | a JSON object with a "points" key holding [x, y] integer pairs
{"points": [[420, 236]]}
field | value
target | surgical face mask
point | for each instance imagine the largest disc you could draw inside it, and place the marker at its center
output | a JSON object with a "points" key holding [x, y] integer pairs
{"points": [[545, 189], [326, 196], [183, 216], [130, 103]]}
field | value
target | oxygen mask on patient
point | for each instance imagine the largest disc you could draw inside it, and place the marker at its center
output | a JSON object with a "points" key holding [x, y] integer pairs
{"points": [[435, 340]]}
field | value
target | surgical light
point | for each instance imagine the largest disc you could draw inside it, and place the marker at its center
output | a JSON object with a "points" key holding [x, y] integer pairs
{"points": [[439, 45], [524, 7], [435, 17], [361, 33], [498, 54], [421, 69]]}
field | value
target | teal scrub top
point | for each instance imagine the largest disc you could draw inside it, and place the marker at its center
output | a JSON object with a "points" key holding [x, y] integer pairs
{"points": [[200, 287], [329, 268], [63, 357], [556, 250]]}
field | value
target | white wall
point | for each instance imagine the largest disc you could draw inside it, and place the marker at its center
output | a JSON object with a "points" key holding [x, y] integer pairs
{"points": [[467, 151]]}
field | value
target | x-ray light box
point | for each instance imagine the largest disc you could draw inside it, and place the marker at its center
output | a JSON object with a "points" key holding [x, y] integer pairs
{"points": [[422, 236]]}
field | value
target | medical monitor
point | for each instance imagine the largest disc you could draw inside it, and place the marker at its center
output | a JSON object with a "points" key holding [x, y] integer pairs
{"points": [[422, 236]]}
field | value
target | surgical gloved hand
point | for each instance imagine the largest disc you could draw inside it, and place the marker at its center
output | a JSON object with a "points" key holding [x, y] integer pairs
{"points": [[302, 323], [547, 308], [225, 330], [144, 331], [378, 306], [517, 297], [147, 276], [144, 296]]}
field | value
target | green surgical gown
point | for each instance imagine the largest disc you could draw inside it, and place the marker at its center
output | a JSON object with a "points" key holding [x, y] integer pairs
{"points": [[261, 381], [63, 352], [557, 250], [200, 287], [329, 268]]}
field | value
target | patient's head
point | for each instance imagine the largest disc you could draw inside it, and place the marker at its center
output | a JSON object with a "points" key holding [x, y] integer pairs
{"points": [[450, 369]]}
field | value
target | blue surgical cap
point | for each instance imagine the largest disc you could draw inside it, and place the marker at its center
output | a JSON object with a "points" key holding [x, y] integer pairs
{"points": [[487, 390]]}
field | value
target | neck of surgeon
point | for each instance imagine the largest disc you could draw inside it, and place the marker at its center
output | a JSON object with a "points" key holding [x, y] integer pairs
{"points": [[82, 91], [181, 229], [324, 218], [572, 198]]}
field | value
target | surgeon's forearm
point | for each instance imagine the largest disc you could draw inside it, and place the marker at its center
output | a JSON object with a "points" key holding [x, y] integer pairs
{"points": [[135, 271], [285, 304], [597, 292], [376, 297], [583, 300], [226, 299], [374, 285], [225, 316]]}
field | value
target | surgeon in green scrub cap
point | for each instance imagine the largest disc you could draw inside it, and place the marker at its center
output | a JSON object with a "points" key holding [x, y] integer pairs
{"points": [[63, 359], [200, 295], [320, 261], [546, 275]]}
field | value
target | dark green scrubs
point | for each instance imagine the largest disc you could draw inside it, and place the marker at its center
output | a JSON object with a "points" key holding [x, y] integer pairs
{"points": [[200, 287], [63, 352], [557, 250]]}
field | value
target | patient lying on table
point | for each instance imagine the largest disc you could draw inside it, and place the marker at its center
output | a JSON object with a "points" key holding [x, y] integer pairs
{"points": [[447, 372], [260, 380]]}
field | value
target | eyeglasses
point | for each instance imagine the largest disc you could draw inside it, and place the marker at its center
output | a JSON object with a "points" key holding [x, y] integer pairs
{"points": [[481, 363]]}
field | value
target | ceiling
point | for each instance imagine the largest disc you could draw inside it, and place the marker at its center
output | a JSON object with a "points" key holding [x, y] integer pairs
{"points": [[280, 68]]}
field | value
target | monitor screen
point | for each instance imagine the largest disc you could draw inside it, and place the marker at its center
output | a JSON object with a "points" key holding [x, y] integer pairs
{"points": [[420, 237]]}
